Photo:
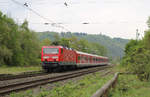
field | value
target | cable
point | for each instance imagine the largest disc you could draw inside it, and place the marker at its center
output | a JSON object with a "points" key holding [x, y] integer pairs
{"points": [[52, 23]]}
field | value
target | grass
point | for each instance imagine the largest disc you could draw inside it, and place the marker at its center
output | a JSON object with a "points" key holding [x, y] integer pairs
{"points": [[119, 68], [16, 70], [81, 88], [130, 86]]}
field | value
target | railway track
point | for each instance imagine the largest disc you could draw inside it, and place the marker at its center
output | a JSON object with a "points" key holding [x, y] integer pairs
{"points": [[4, 77], [22, 75], [11, 87]]}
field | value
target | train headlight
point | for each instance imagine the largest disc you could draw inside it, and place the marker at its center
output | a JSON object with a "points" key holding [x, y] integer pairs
{"points": [[45, 57], [55, 57]]}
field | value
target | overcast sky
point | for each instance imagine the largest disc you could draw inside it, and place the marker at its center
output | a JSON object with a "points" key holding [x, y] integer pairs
{"points": [[115, 18]]}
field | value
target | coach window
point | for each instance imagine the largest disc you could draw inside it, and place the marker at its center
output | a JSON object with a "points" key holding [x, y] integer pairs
{"points": [[101, 60]]}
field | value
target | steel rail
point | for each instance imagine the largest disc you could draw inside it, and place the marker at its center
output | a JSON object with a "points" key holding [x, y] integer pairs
{"points": [[4, 77], [28, 84]]}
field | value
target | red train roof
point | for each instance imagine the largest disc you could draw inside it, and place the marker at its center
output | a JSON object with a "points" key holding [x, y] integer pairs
{"points": [[78, 52]]}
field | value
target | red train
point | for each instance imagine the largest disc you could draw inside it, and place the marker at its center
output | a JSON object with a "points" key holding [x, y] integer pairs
{"points": [[53, 57]]}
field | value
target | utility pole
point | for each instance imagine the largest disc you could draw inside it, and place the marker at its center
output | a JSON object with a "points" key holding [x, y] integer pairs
{"points": [[137, 34]]}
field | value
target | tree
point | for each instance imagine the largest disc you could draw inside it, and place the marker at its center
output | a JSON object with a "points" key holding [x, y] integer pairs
{"points": [[18, 44], [57, 39], [98, 49], [46, 42], [148, 22], [65, 42]]}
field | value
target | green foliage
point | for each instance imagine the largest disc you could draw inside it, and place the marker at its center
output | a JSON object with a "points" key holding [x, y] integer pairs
{"points": [[56, 39], [146, 39], [130, 86], [148, 22], [81, 45], [28, 93], [5, 54], [137, 56], [46, 41], [98, 49], [18, 69], [75, 43], [113, 46], [18, 44], [65, 42]]}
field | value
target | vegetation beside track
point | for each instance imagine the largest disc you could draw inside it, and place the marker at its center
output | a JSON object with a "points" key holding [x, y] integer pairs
{"points": [[119, 68], [78, 88], [136, 61], [136, 83], [137, 56], [17, 70], [18, 44], [130, 86]]}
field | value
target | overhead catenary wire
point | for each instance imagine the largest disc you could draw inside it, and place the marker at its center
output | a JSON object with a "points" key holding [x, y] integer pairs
{"points": [[51, 22], [4, 3]]}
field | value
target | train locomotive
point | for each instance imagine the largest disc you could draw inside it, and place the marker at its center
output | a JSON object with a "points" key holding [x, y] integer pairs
{"points": [[59, 57]]}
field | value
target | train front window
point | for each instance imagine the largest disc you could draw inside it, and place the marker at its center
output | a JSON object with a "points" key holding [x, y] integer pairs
{"points": [[50, 50]]}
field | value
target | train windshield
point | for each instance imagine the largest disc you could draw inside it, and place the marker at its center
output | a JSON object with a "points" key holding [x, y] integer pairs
{"points": [[50, 50]]}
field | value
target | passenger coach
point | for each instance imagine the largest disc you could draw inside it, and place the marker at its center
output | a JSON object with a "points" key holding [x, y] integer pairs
{"points": [[54, 57]]}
